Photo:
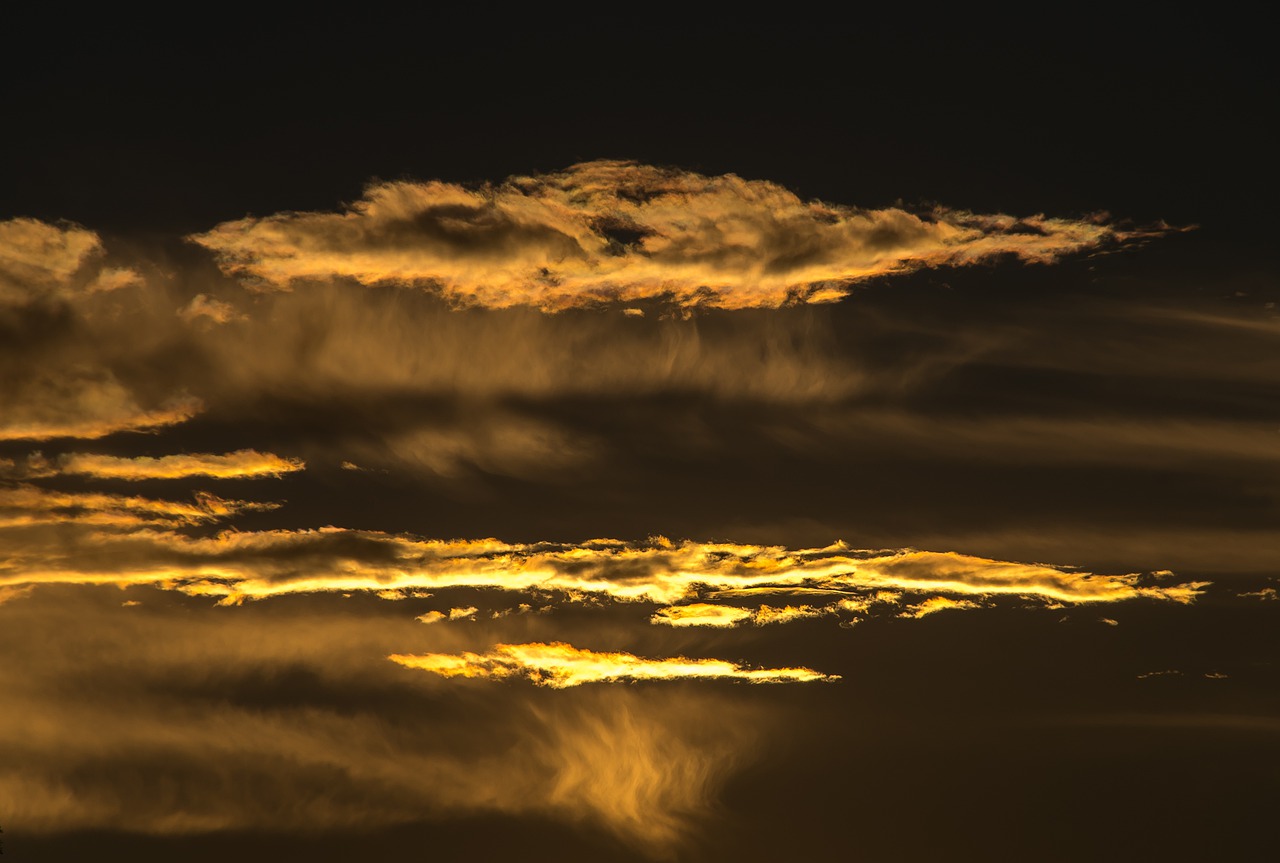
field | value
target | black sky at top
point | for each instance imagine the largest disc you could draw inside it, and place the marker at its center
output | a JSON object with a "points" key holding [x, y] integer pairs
{"points": [[128, 128]]}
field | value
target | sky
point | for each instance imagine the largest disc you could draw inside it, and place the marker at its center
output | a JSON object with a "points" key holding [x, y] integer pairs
{"points": [[617, 440]]}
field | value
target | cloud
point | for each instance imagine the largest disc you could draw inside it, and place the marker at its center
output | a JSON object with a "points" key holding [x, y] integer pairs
{"points": [[936, 604], [211, 308], [1266, 593], [766, 614], [560, 666], [39, 260], [172, 719], [24, 505], [240, 565], [701, 614], [620, 231], [241, 464], [83, 402], [707, 614]]}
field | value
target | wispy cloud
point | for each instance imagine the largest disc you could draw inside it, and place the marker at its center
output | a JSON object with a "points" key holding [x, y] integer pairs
{"points": [[709, 614], [24, 505], [238, 565], [86, 403], [560, 666], [620, 231], [241, 464]]}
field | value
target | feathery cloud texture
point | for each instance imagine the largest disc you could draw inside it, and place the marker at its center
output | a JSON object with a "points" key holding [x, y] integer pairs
{"points": [[620, 231], [561, 665]]}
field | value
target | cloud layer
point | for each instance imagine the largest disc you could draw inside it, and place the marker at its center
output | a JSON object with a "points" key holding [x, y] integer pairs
{"points": [[559, 666], [620, 231]]}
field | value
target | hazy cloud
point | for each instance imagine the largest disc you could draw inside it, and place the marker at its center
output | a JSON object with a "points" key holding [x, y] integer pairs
{"points": [[83, 402], [39, 261]]}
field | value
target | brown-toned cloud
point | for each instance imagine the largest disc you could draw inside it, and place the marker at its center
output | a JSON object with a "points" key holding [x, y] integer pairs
{"points": [[39, 260], [172, 719], [561, 665], [83, 402], [619, 231], [241, 464], [24, 505]]}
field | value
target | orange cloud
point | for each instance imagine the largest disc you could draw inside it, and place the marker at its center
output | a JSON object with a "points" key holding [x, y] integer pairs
{"points": [[83, 402], [236, 565], [936, 604], [25, 505], [707, 614], [620, 231], [560, 666], [245, 463], [38, 259], [701, 614]]}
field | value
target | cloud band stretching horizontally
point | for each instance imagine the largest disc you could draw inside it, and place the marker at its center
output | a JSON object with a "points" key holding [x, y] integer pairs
{"points": [[560, 666], [620, 231], [242, 464]]}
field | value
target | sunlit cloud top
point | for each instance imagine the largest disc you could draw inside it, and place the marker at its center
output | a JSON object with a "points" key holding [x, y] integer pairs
{"points": [[620, 231], [559, 665], [242, 464]]}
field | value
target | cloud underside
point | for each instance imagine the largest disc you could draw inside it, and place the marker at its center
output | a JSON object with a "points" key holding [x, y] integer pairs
{"points": [[560, 666], [619, 231]]}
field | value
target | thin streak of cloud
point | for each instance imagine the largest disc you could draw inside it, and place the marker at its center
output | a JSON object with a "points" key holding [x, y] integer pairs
{"points": [[620, 231], [701, 614], [935, 604], [237, 565], [24, 505], [241, 464], [723, 616], [560, 666]]}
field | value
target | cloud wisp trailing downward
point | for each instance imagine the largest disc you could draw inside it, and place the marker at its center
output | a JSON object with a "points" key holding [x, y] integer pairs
{"points": [[621, 231]]}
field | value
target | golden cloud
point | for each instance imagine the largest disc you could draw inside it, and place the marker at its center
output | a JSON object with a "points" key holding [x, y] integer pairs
{"points": [[936, 604], [38, 259], [708, 614], [620, 231], [645, 766], [560, 666], [241, 464], [25, 505], [701, 614], [84, 403], [238, 565]]}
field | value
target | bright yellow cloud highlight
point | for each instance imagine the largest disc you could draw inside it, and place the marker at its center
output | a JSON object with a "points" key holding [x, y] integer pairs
{"points": [[236, 565], [936, 604], [25, 505], [701, 614], [245, 463], [620, 231], [560, 666]]}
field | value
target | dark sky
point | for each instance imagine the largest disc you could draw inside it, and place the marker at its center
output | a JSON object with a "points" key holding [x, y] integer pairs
{"points": [[387, 405]]}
